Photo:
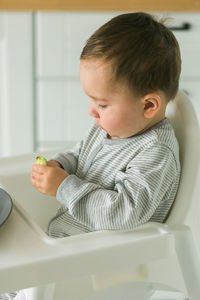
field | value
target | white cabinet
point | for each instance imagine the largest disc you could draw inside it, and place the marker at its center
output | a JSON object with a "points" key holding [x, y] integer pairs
{"points": [[16, 84], [189, 41], [61, 113], [60, 37]]}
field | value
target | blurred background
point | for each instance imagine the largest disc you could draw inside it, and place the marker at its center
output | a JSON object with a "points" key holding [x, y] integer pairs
{"points": [[42, 105]]}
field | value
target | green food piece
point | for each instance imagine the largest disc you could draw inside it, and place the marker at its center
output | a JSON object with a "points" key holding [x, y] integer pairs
{"points": [[41, 160]]}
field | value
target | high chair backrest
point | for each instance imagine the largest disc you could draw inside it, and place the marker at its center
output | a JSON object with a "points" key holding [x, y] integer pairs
{"points": [[186, 208]]}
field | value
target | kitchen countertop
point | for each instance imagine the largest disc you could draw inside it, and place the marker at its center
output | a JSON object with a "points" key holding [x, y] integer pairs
{"points": [[100, 5]]}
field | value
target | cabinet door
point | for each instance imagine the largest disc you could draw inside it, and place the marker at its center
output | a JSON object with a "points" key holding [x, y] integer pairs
{"points": [[187, 31], [16, 83], [62, 106]]}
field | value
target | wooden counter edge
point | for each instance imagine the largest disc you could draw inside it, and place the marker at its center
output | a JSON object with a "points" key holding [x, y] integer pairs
{"points": [[100, 5]]}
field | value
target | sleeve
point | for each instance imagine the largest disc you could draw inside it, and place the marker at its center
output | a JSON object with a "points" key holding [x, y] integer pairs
{"points": [[69, 159], [137, 193]]}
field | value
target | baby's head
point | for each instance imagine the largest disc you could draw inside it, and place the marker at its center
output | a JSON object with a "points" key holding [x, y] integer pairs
{"points": [[137, 54]]}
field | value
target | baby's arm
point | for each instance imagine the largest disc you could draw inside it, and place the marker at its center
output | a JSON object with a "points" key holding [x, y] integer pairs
{"points": [[67, 160], [149, 180]]}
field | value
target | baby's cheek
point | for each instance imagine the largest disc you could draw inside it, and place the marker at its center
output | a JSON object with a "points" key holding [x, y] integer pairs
{"points": [[113, 125]]}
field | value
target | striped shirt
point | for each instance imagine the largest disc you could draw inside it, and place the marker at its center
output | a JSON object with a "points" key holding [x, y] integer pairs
{"points": [[117, 184]]}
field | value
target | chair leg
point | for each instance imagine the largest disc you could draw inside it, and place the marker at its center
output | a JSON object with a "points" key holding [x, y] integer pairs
{"points": [[188, 258]]}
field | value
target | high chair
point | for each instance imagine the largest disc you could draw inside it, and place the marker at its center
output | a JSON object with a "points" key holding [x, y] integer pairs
{"points": [[97, 265]]}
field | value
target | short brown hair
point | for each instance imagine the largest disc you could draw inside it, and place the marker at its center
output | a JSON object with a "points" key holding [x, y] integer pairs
{"points": [[143, 51]]}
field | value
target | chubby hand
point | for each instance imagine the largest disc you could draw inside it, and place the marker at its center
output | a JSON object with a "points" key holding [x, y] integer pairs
{"points": [[46, 179]]}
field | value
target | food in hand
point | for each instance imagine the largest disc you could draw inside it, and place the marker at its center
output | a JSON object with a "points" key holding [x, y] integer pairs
{"points": [[41, 160]]}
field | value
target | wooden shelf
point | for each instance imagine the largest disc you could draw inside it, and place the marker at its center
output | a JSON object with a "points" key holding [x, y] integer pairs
{"points": [[100, 5]]}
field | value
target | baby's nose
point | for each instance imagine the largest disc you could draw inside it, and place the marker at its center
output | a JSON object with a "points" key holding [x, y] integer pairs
{"points": [[93, 111]]}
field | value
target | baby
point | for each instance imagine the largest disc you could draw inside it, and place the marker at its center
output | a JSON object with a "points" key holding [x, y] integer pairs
{"points": [[125, 172]]}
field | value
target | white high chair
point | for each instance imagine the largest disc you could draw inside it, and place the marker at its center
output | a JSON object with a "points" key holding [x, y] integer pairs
{"points": [[97, 265]]}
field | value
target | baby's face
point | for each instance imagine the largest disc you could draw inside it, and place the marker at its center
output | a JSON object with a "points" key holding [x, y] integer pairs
{"points": [[113, 105]]}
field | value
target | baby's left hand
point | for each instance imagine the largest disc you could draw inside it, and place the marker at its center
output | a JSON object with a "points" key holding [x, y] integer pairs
{"points": [[46, 179]]}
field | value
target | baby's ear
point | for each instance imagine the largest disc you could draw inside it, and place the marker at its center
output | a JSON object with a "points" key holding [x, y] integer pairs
{"points": [[151, 105]]}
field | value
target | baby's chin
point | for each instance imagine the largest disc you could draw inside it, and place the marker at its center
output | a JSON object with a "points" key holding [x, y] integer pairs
{"points": [[112, 136], [100, 126], [109, 135]]}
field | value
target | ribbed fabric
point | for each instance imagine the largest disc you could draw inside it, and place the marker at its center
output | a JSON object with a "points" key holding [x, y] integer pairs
{"points": [[14, 296], [8, 296], [117, 184]]}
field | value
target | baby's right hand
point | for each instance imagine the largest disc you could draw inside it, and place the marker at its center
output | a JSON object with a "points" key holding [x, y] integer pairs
{"points": [[46, 179]]}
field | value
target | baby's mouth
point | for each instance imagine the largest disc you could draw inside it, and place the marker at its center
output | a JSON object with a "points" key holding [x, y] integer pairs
{"points": [[97, 123], [100, 126]]}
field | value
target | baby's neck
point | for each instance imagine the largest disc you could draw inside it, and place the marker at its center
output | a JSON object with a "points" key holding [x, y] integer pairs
{"points": [[153, 122]]}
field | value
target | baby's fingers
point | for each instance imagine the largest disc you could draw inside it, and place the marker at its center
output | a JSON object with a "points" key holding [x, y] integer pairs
{"points": [[36, 183], [36, 176], [39, 169]]}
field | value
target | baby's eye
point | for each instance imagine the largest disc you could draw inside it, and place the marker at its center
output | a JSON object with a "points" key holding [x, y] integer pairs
{"points": [[102, 106]]}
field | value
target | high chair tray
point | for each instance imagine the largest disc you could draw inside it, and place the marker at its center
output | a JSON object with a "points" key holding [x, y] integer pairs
{"points": [[29, 257], [6, 205]]}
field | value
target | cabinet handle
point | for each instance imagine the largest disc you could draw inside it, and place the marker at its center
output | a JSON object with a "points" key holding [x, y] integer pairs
{"points": [[184, 27]]}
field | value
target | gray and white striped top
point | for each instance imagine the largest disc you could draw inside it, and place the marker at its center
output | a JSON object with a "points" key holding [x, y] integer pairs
{"points": [[117, 184]]}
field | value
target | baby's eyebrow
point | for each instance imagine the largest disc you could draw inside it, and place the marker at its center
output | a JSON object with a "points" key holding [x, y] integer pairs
{"points": [[98, 99]]}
